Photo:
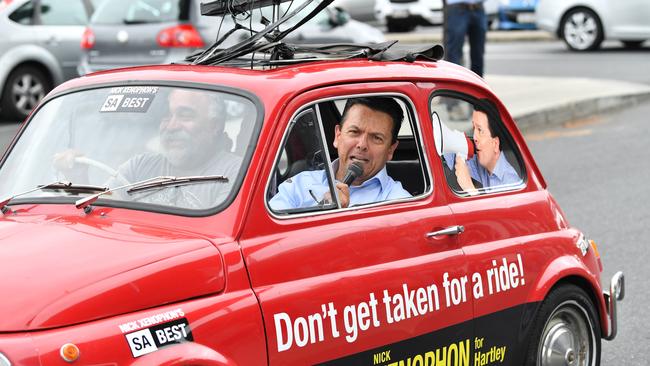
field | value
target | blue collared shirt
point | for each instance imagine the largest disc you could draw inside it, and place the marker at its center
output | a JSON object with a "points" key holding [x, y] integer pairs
{"points": [[307, 188], [504, 174]]}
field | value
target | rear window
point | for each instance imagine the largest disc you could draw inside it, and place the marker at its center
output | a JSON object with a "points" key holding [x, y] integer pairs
{"points": [[24, 14], [141, 12]]}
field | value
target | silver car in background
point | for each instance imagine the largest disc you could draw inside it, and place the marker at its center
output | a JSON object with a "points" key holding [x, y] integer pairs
{"points": [[584, 24], [39, 49], [405, 15], [142, 32]]}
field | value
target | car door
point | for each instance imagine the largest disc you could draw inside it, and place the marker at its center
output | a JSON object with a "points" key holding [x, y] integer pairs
{"points": [[506, 225], [59, 25], [358, 285], [629, 19]]}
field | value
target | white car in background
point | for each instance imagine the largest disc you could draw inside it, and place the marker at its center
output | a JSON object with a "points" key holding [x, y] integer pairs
{"points": [[584, 24], [405, 15], [362, 10]]}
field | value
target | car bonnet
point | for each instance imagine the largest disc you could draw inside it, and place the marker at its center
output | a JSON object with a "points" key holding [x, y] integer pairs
{"points": [[61, 270]]}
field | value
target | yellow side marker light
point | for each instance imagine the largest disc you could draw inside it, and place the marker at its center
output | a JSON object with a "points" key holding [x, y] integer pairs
{"points": [[594, 247], [70, 352]]}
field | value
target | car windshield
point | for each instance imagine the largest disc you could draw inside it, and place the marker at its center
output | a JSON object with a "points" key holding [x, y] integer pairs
{"points": [[116, 12], [119, 136]]}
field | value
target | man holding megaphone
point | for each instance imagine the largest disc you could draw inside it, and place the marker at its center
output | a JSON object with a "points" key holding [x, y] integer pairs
{"points": [[365, 140], [484, 162]]}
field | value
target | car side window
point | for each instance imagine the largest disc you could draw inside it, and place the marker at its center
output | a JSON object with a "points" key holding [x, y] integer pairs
{"points": [[318, 152], [23, 15], [477, 152], [302, 164], [63, 12]]}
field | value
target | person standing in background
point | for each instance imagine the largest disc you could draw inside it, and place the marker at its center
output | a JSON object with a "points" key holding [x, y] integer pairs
{"points": [[465, 17]]}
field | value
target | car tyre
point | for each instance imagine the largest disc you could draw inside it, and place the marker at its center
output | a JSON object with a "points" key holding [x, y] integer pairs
{"points": [[582, 30], [24, 89], [633, 45], [399, 27], [566, 330]]}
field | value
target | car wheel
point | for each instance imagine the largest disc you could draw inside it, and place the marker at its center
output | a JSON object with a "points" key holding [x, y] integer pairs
{"points": [[399, 27], [582, 30], [632, 44], [24, 89], [566, 330]]}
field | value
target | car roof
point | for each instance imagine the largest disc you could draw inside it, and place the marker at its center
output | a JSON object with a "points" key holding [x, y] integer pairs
{"points": [[283, 80]]}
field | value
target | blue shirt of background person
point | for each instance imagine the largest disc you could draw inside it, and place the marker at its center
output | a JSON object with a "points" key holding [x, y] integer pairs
{"points": [[366, 136], [489, 166]]}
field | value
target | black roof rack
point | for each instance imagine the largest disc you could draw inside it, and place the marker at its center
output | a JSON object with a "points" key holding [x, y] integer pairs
{"points": [[265, 48]]}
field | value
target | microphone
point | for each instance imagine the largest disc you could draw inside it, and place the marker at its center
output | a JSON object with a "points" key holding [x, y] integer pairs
{"points": [[354, 171]]}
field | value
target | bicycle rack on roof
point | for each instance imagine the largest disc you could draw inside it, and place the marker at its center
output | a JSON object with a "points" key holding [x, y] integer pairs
{"points": [[265, 48]]}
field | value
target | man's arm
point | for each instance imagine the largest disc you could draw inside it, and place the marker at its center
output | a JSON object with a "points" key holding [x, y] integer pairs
{"points": [[463, 176]]}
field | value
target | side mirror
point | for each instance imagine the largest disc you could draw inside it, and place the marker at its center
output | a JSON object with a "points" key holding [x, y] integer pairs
{"points": [[338, 17]]}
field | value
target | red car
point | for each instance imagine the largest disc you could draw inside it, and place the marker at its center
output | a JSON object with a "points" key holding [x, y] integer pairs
{"points": [[119, 244]]}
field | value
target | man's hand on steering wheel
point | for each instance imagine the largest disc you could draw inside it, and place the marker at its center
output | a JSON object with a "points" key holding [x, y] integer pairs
{"points": [[74, 166], [64, 162]]}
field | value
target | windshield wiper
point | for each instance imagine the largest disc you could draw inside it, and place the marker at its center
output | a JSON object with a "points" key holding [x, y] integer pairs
{"points": [[156, 182], [66, 186], [176, 181]]}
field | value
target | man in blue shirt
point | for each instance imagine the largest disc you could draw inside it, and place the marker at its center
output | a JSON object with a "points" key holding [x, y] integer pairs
{"points": [[366, 136], [489, 166]]}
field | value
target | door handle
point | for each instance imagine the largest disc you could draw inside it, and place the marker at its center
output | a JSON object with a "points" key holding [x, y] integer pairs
{"points": [[452, 230]]}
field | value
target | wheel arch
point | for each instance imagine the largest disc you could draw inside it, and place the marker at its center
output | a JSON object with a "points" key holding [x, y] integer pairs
{"points": [[569, 270], [30, 55]]}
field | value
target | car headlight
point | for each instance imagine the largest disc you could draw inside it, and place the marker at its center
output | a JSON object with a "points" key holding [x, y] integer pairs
{"points": [[4, 361]]}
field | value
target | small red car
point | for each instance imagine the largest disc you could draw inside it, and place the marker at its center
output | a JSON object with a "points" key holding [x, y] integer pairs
{"points": [[120, 245]]}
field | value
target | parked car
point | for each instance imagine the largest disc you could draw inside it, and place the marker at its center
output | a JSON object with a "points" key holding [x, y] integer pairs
{"points": [[130, 33], [583, 25], [39, 49], [511, 14], [405, 15], [198, 266]]}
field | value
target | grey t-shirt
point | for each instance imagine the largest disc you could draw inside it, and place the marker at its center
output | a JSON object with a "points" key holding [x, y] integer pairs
{"points": [[200, 195]]}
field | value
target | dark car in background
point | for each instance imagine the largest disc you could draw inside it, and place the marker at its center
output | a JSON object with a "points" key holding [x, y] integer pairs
{"points": [[144, 32], [39, 49]]}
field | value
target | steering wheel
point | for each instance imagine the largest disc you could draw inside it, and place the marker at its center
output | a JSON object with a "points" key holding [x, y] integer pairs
{"points": [[101, 166]]}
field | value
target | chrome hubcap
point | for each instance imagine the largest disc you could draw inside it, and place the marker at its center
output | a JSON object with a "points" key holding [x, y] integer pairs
{"points": [[27, 91], [567, 339], [581, 30]]}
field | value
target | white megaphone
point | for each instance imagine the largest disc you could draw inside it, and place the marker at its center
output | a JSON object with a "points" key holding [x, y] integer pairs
{"points": [[451, 141]]}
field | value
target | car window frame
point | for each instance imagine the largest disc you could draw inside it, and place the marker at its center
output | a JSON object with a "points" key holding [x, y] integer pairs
{"points": [[425, 165], [473, 100], [247, 157]]}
